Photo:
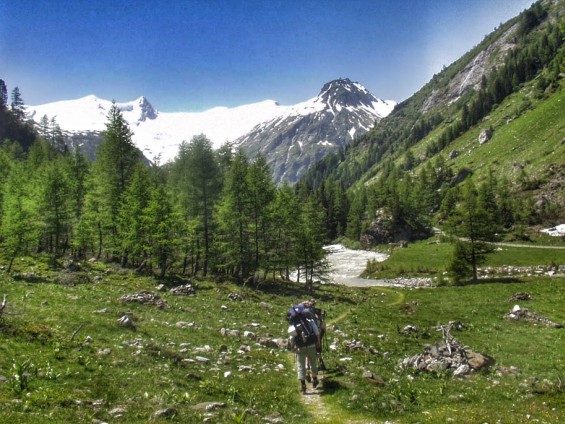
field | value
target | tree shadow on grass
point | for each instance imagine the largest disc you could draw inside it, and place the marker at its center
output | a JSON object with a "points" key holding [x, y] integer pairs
{"points": [[498, 280]]}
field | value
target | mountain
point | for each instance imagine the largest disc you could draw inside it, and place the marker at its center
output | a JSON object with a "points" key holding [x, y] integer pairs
{"points": [[342, 110], [155, 133], [308, 131], [493, 117]]}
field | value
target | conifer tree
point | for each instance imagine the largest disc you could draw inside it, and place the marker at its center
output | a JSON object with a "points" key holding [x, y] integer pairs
{"points": [[19, 229], [3, 95], [261, 196], [473, 233], [17, 104], [234, 219], [116, 159], [131, 223], [285, 214], [55, 206], [161, 222], [311, 255]]}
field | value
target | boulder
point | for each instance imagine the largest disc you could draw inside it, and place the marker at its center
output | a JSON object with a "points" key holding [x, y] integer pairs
{"points": [[485, 136]]}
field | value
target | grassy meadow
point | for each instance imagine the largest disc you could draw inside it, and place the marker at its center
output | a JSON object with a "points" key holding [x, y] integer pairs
{"points": [[65, 358]]}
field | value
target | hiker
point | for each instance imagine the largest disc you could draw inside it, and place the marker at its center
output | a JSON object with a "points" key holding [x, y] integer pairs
{"points": [[304, 340], [319, 316]]}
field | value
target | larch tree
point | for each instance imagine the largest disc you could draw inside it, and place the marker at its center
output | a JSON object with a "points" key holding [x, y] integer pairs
{"points": [[234, 244], [116, 159], [261, 196], [19, 229], [473, 231]]}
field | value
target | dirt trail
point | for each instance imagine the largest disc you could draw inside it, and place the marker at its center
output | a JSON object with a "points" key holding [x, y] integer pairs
{"points": [[326, 413]]}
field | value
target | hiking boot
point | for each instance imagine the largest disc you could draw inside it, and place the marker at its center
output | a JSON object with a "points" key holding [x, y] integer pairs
{"points": [[302, 386], [315, 382]]}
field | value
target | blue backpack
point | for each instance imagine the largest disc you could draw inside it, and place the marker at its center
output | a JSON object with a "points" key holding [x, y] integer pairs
{"points": [[301, 326]]}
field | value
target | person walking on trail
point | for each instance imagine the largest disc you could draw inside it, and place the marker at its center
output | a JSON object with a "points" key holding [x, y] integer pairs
{"points": [[305, 341]]}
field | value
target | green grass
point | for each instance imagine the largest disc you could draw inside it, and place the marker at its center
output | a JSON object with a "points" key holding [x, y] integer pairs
{"points": [[126, 375], [429, 258]]}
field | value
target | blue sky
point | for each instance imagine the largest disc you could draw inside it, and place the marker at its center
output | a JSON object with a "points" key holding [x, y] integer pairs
{"points": [[191, 55]]}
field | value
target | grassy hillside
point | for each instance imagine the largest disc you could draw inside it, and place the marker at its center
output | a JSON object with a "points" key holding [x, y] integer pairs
{"points": [[519, 96], [65, 358]]}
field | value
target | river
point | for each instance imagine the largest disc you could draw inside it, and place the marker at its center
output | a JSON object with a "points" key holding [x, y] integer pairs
{"points": [[348, 264]]}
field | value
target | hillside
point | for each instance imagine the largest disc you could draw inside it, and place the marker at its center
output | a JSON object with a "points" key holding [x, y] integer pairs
{"points": [[510, 90]]}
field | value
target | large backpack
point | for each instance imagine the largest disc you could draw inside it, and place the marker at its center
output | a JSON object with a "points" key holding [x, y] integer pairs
{"points": [[301, 326]]}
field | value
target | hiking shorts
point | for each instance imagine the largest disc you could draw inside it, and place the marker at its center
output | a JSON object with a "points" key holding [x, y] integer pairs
{"points": [[303, 353]]}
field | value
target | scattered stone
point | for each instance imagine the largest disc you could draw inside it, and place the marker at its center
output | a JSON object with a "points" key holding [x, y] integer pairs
{"points": [[227, 374], [410, 307], [520, 296], [102, 311], [71, 266], [88, 340], [126, 321], [274, 343], [518, 313], [184, 290], [373, 378], [104, 352], [351, 345], [145, 298], [266, 305], [161, 288], [184, 324], [236, 297], [245, 368], [117, 412], [410, 329], [208, 406], [249, 334], [449, 355], [202, 359], [165, 413]]}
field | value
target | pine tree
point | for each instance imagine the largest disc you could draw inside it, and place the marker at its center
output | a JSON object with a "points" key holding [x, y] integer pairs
{"points": [[473, 233], [17, 104], [3, 95]]}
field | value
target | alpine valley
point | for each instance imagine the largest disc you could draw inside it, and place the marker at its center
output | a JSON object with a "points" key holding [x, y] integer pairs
{"points": [[290, 137]]}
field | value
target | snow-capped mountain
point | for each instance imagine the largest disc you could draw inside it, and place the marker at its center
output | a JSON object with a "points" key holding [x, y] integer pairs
{"points": [[342, 111], [155, 133], [310, 130]]}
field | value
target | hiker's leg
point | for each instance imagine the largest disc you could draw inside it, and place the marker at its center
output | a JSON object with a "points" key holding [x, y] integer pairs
{"points": [[301, 364], [313, 359]]}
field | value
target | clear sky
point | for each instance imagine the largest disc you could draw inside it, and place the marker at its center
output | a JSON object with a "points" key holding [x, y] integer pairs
{"points": [[191, 55]]}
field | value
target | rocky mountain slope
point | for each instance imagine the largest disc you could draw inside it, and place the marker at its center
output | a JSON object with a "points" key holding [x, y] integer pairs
{"points": [[309, 131], [342, 111], [497, 86]]}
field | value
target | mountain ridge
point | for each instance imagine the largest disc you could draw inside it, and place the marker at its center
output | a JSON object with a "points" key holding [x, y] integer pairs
{"points": [[342, 111], [158, 134]]}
